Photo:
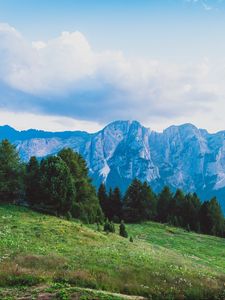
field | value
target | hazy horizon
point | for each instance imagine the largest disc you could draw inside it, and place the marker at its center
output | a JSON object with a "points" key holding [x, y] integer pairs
{"points": [[91, 130]]}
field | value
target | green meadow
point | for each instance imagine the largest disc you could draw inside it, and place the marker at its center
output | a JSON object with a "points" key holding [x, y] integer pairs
{"points": [[45, 257]]}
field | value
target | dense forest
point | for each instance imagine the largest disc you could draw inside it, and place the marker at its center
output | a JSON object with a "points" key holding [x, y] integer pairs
{"points": [[60, 185], [140, 204]]}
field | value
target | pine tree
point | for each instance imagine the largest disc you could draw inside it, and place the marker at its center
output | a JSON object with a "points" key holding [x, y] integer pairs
{"points": [[211, 218], [103, 199], [106, 227], [163, 204], [86, 207], [216, 218], [57, 188], [176, 206], [116, 204], [139, 202], [190, 211], [204, 217], [11, 173], [32, 181], [148, 203], [112, 227], [109, 226], [109, 209], [131, 204], [123, 231]]}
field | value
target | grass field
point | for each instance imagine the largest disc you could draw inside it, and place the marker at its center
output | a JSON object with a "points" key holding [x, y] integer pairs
{"points": [[46, 256]]}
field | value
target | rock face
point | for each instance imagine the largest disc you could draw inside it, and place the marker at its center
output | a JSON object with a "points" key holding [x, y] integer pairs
{"points": [[181, 156]]}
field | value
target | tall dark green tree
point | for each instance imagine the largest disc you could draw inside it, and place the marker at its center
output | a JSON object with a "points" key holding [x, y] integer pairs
{"points": [[103, 198], [32, 181], [132, 210], [139, 202], [164, 199], [176, 208], [109, 208], [57, 186], [190, 211], [217, 218], [87, 205], [148, 202], [75, 162], [211, 218], [11, 173], [116, 204]]}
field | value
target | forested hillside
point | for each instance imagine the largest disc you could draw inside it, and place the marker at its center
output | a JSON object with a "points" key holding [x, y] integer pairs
{"points": [[60, 185]]}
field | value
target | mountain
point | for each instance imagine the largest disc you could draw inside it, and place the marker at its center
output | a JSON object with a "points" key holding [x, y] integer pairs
{"points": [[181, 156]]}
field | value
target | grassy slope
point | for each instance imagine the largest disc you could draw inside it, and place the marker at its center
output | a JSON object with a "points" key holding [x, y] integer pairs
{"points": [[162, 262]]}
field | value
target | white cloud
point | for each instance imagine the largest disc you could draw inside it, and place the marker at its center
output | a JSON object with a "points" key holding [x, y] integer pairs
{"points": [[44, 67], [207, 5], [66, 77], [23, 121]]}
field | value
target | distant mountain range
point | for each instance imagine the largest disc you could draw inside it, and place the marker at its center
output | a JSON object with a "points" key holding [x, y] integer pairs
{"points": [[181, 156]]}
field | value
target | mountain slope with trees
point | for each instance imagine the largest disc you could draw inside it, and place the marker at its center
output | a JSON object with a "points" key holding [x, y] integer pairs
{"points": [[182, 156], [60, 185]]}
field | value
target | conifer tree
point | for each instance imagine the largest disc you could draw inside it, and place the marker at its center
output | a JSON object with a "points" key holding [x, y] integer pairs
{"points": [[103, 198], [32, 181], [86, 207], [131, 204], [116, 204], [190, 211], [109, 226], [176, 206], [139, 202], [109, 208], [148, 203], [216, 218], [123, 231], [164, 199], [106, 226], [204, 217], [57, 188], [11, 173]]}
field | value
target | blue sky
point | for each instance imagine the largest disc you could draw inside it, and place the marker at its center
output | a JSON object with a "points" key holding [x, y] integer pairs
{"points": [[158, 61], [165, 29]]}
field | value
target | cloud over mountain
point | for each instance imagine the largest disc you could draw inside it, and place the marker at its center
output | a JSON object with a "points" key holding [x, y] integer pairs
{"points": [[65, 76]]}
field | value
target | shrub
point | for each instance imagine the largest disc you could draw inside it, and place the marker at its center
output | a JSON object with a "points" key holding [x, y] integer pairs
{"points": [[123, 231], [69, 216], [109, 226]]}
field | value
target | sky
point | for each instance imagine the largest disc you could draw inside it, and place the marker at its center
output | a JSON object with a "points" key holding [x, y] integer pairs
{"points": [[80, 64]]}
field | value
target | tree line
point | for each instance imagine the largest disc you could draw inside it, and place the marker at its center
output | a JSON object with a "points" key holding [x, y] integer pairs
{"points": [[59, 184], [141, 204]]}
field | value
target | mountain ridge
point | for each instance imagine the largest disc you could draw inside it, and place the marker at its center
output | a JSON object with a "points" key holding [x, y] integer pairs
{"points": [[181, 156]]}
